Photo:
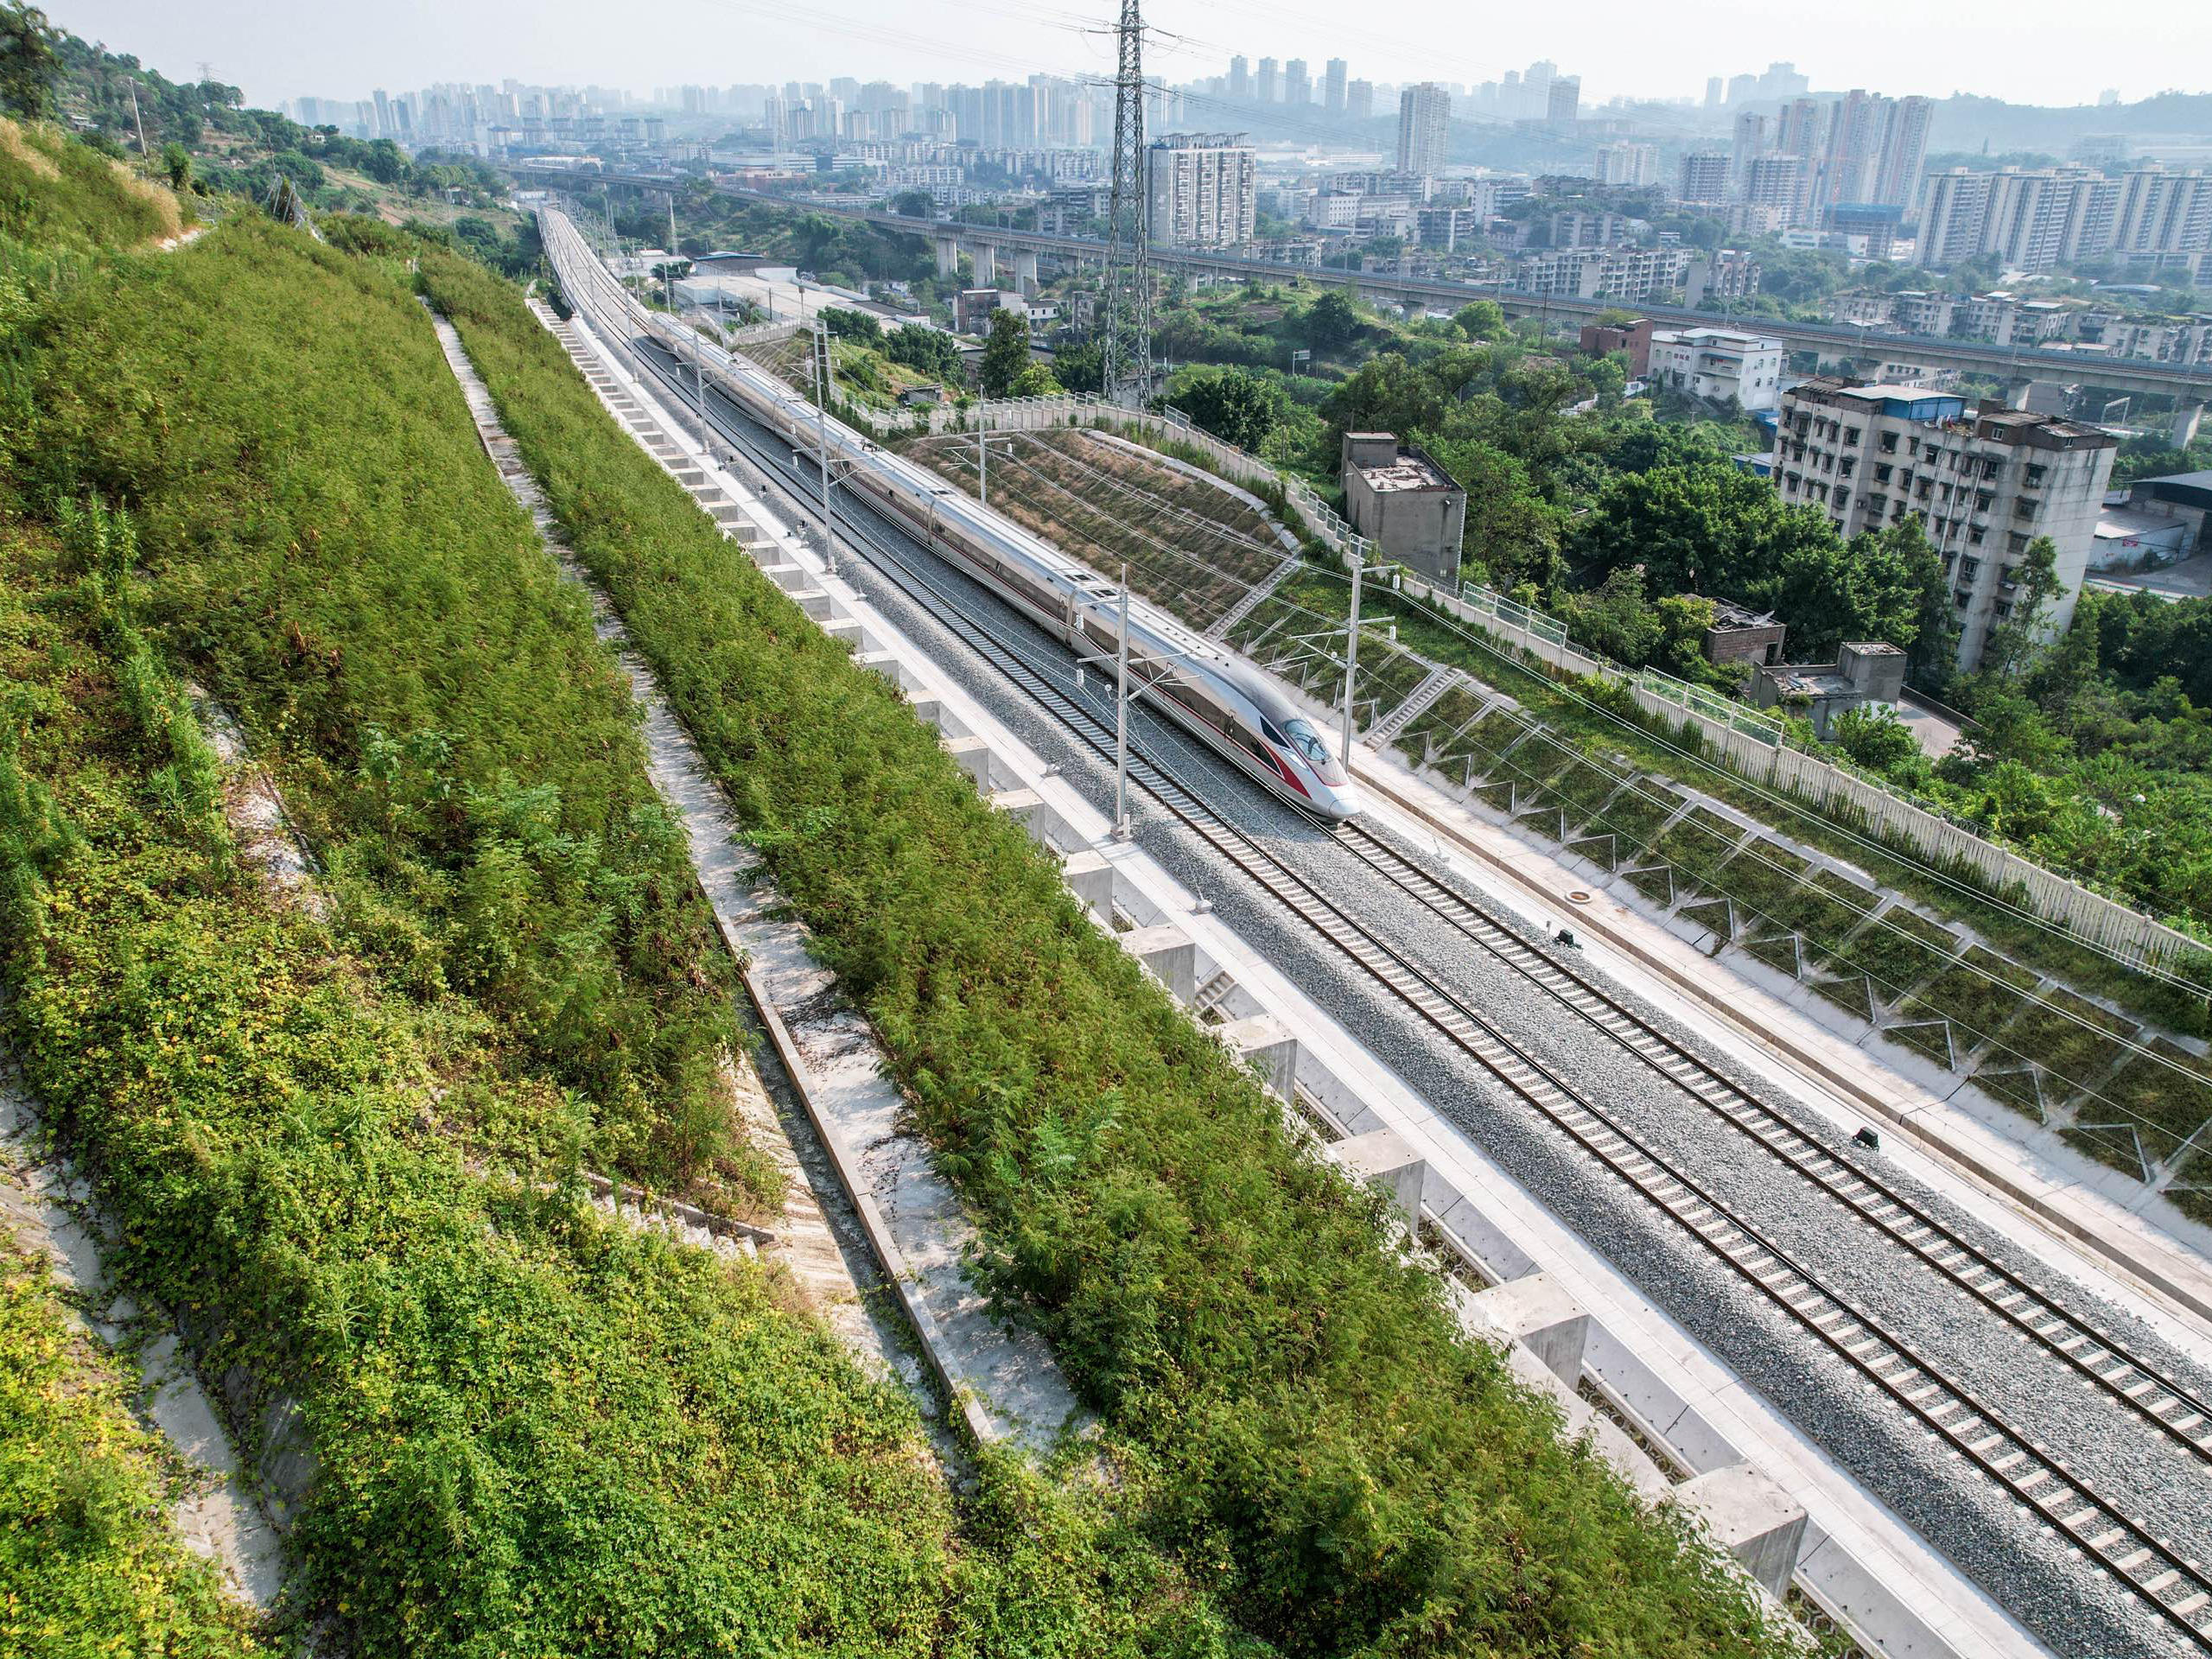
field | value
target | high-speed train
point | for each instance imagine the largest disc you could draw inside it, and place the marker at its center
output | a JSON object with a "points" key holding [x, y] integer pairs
{"points": [[1221, 701]]}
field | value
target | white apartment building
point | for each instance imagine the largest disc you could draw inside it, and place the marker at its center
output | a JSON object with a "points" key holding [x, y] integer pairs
{"points": [[1204, 189], [1614, 273], [1983, 484], [1719, 364], [1424, 128], [2052, 216], [1633, 166], [2185, 341]]}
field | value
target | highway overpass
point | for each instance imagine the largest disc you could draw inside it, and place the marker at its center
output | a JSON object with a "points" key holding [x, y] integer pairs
{"points": [[986, 244]]}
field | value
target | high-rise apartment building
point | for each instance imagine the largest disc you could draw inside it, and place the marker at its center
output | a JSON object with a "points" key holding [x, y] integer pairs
{"points": [[1424, 128], [1204, 189], [1264, 88], [1359, 100], [1904, 152], [1332, 96], [2035, 219], [1297, 85], [1749, 144], [1983, 485], [1797, 129], [1633, 166], [1704, 182], [1771, 196], [1240, 77], [1563, 102]]}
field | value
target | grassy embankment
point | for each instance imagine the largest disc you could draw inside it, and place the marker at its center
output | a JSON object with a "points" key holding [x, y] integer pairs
{"points": [[1299, 1419], [348, 1165], [88, 1561]]}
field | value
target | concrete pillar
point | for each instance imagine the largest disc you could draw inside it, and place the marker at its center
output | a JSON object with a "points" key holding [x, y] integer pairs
{"points": [[948, 256], [1750, 1516], [987, 265], [1380, 1158], [1537, 1312], [2015, 394], [1091, 875], [2186, 420], [1265, 1042], [974, 755], [1169, 952], [1025, 272]]}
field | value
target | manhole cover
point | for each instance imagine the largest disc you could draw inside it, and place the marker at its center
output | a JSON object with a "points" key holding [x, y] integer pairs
{"points": [[1578, 897]]}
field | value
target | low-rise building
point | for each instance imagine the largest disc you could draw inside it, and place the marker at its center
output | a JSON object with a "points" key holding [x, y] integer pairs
{"points": [[1718, 365], [1739, 634], [1615, 273], [1404, 502], [1983, 483], [1634, 337], [1869, 672]]}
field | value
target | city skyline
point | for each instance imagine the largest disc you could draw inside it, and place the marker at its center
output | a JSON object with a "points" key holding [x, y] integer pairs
{"points": [[560, 42]]}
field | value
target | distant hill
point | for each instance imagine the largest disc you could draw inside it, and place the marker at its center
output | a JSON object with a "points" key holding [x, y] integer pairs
{"points": [[1964, 122]]}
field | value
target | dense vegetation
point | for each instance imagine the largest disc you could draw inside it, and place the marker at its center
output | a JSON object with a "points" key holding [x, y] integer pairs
{"points": [[1304, 1426], [458, 750], [88, 1560], [61, 196], [352, 1172], [531, 1429]]}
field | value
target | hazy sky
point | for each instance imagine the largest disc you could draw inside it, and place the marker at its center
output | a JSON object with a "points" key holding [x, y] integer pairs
{"points": [[2033, 51]]}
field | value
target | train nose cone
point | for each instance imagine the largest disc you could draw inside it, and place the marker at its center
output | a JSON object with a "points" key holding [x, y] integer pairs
{"points": [[1349, 801]]}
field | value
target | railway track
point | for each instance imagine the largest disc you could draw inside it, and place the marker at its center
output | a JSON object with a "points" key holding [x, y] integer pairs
{"points": [[2069, 1505], [2177, 1412]]}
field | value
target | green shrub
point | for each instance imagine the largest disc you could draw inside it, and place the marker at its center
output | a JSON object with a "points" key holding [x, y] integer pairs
{"points": [[314, 530]]}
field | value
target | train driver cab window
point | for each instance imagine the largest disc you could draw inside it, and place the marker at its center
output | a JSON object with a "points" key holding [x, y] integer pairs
{"points": [[1307, 741]]}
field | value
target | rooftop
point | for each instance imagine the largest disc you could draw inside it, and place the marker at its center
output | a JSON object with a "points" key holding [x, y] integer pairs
{"points": [[1411, 471]]}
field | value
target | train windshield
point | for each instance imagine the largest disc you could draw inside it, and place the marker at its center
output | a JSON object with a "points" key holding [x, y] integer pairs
{"points": [[1308, 743]]}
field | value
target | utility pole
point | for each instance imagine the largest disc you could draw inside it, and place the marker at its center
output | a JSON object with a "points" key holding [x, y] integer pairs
{"points": [[1351, 653], [983, 464], [1121, 719], [1126, 354], [821, 436], [137, 120]]}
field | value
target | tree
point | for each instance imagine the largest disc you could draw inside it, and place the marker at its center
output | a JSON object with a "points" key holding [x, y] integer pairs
{"points": [[845, 323], [1615, 619], [1388, 394], [1006, 352], [1080, 367], [1035, 380], [29, 64], [926, 350], [176, 162], [1512, 533], [386, 162], [2013, 646], [914, 204], [1878, 741], [1236, 407], [1331, 321]]}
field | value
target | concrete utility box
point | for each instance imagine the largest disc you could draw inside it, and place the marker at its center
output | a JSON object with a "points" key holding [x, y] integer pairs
{"points": [[1261, 1040], [1404, 502], [1538, 1313], [1170, 954], [1751, 1517], [1382, 1158]]}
